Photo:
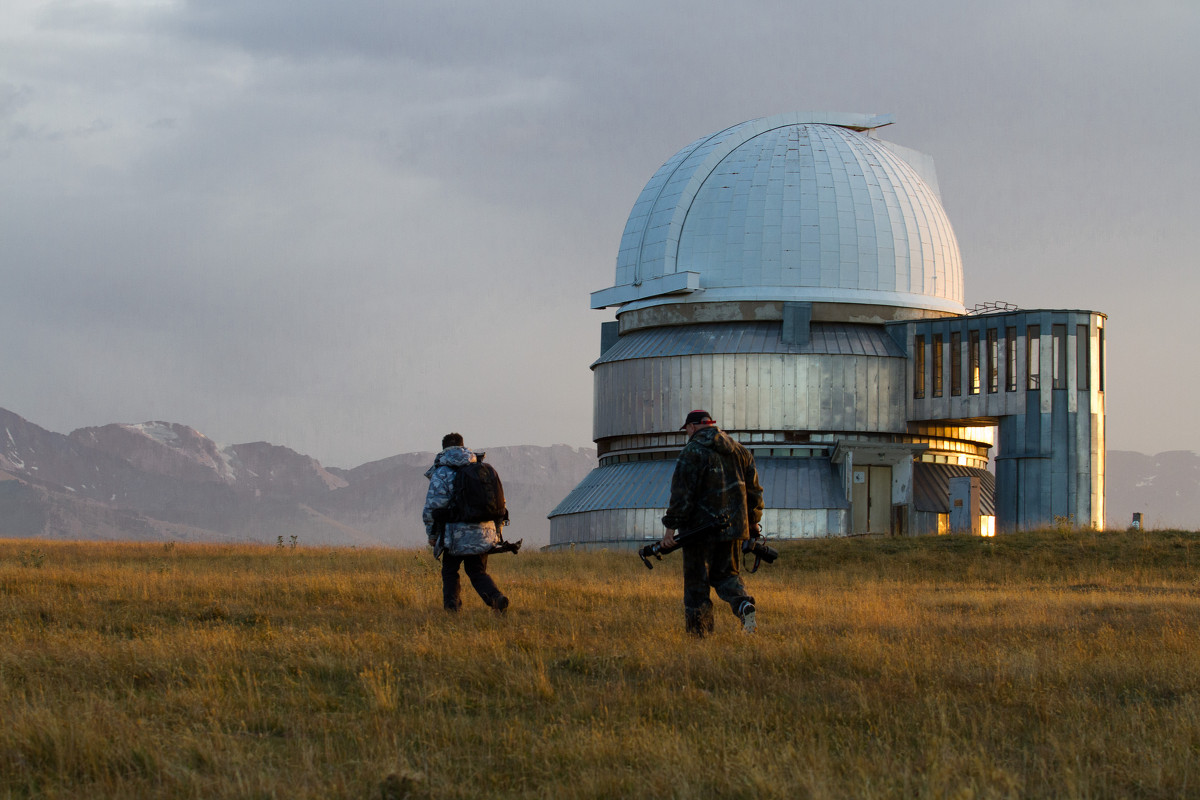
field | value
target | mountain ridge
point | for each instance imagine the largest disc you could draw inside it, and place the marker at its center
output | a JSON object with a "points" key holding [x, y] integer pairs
{"points": [[161, 481], [167, 481]]}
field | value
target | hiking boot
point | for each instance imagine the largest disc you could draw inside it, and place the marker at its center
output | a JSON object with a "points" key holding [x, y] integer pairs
{"points": [[500, 604], [698, 621], [749, 624]]}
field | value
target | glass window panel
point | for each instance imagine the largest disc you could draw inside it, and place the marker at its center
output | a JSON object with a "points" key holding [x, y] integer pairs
{"points": [[1010, 343], [955, 363], [919, 368], [973, 357], [993, 360], [936, 355], [1059, 355], [1033, 357], [1083, 358]]}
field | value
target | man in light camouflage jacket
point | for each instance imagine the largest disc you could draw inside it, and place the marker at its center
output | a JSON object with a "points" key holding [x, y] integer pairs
{"points": [[465, 543], [715, 480]]}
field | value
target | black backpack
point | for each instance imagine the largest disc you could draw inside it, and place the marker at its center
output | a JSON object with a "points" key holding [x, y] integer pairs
{"points": [[478, 494]]}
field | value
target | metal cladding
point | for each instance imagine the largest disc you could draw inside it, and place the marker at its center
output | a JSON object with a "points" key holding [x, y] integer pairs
{"points": [[931, 487], [797, 277], [843, 379], [751, 338], [791, 207]]}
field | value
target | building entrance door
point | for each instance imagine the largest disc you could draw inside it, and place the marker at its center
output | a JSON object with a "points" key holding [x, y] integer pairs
{"points": [[871, 500]]}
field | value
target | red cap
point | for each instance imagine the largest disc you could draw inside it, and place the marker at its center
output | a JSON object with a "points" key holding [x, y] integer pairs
{"points": [[697, 417]]}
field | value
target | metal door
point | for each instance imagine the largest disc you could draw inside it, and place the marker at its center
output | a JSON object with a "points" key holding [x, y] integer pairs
{"points": [[871, 500]]}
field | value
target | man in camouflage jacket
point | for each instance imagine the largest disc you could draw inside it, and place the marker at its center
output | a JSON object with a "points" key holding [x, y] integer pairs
{"points": [[715, 480], [461, 543]]}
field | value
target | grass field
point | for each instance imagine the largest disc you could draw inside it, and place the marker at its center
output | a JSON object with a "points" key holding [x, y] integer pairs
{"points": [[1055, 664]]}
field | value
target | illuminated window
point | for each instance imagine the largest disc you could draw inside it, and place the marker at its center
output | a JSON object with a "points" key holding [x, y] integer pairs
{"points": [[1033, 357], [1058, 334], [973, 356], [1010, 343], [993, 360], [1083, 361], [936, 355], [919, 368], [955, 363]]}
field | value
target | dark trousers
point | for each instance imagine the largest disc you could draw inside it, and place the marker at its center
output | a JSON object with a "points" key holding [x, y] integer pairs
{"points": [[476, 569], [716, 564]]}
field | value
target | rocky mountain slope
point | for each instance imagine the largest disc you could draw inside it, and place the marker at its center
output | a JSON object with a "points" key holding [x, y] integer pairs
{"points": [[161, 481], [165, 481]]}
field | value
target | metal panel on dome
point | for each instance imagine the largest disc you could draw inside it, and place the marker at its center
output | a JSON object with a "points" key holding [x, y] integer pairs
{"points": [[796, 207]]}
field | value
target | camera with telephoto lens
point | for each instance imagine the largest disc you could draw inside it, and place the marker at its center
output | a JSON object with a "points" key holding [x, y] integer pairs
{"points": [[760, 550], [757, 546], [658, 549]]}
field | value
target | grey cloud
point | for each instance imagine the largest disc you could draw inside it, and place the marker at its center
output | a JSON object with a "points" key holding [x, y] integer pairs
{"points": [[472, 32], [296, 221]]}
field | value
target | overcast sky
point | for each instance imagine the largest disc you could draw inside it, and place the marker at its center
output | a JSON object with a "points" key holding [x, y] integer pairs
{"points": [[350, 227]]}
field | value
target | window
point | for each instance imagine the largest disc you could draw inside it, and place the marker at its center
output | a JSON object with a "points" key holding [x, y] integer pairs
{"points": [[936, 355], [919, 368], [956, 363], [973, 355], [1033, 357], [1100, 362], [1083, 361], [1058, 334], [1010, 343], [993, 360]]}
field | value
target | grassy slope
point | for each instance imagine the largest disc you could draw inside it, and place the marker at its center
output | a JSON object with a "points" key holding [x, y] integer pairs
{"points": [[1055, 664]]}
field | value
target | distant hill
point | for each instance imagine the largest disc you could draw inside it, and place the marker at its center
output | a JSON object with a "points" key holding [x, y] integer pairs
{"points": [[161, 481], [166, 481], [1165, 488]]}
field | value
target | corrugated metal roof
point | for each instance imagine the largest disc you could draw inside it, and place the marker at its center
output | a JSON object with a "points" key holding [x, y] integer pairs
{"points": [[826, 338], [800, 483], [931, 486], [786, 482], [635, 484]]}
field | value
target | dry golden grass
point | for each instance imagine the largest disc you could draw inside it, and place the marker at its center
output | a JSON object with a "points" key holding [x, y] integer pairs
{"points": [[1058, 664]]}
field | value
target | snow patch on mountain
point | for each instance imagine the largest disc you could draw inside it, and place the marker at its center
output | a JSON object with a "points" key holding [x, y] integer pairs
{"points": [[158, 431]]}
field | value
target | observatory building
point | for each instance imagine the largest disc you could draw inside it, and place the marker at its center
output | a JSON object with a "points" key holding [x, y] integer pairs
{"points": [[797, 277]]}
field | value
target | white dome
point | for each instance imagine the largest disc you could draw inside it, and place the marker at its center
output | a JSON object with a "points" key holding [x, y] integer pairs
{"points": [[802, 207]]}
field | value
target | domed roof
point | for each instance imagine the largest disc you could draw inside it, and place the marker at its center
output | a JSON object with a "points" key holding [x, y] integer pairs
{"points": [[806, 207]]}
